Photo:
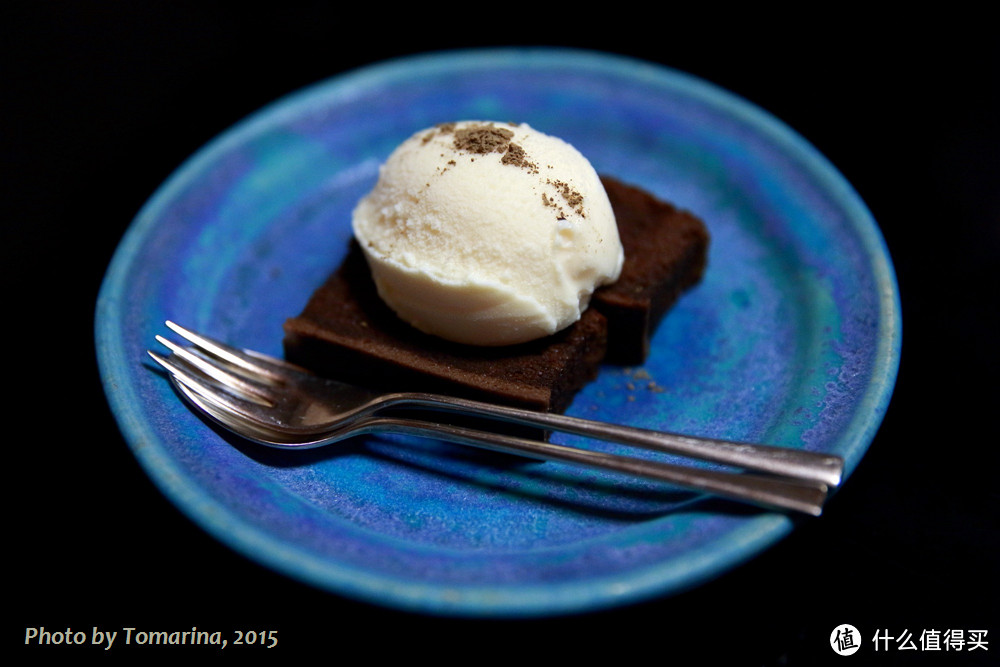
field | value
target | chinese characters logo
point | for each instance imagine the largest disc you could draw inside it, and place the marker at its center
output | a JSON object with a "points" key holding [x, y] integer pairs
{"points": [[845, 639]]}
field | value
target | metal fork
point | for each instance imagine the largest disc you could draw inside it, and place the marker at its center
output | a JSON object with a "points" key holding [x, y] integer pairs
{"points": [[275, 403]]}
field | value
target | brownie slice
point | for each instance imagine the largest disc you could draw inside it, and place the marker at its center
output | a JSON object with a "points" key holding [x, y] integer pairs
{"points": [[346, 331], [666, 250]]}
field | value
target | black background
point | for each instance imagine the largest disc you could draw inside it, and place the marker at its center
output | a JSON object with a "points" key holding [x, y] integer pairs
{"points": [[102, 101]]}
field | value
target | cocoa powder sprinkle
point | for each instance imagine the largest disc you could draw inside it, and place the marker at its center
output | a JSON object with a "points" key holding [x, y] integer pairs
{"points": [[483, 139], [517, 157], [572, 197]]}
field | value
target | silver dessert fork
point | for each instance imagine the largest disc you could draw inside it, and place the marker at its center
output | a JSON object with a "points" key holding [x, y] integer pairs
{"points": [[275, 403]]}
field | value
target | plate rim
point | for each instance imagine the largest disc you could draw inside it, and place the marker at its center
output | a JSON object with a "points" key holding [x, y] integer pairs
{"points": [[526, 600]]}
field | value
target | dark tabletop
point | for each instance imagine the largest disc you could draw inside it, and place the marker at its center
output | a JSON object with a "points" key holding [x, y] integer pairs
{"points": [[102, 102]]}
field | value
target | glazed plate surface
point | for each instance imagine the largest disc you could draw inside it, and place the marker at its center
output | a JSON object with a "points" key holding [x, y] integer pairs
{"points": [[792, 338]]}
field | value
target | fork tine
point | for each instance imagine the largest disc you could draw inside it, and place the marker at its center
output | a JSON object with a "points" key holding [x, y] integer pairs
{"points": [[219, 377], [220, 404], [202, 386], [236, 418], [243, 362]]}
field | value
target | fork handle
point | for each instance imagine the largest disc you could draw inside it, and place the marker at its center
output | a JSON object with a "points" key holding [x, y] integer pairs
{"points": [[793, 463], [774, 493]]}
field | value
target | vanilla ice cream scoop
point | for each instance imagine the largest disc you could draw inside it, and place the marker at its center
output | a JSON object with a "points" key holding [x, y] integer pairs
{"points": [[488, 233]]}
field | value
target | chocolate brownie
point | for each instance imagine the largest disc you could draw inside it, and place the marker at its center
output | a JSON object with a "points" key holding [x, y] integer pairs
{"points": [[347, 332], [666, 250]]}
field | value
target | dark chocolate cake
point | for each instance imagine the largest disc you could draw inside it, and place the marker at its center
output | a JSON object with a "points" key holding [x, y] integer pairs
{"points": [[666, 250], [347, 332]]}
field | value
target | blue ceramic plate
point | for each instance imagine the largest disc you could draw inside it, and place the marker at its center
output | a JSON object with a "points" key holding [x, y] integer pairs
{"points": [[792, 338]]}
